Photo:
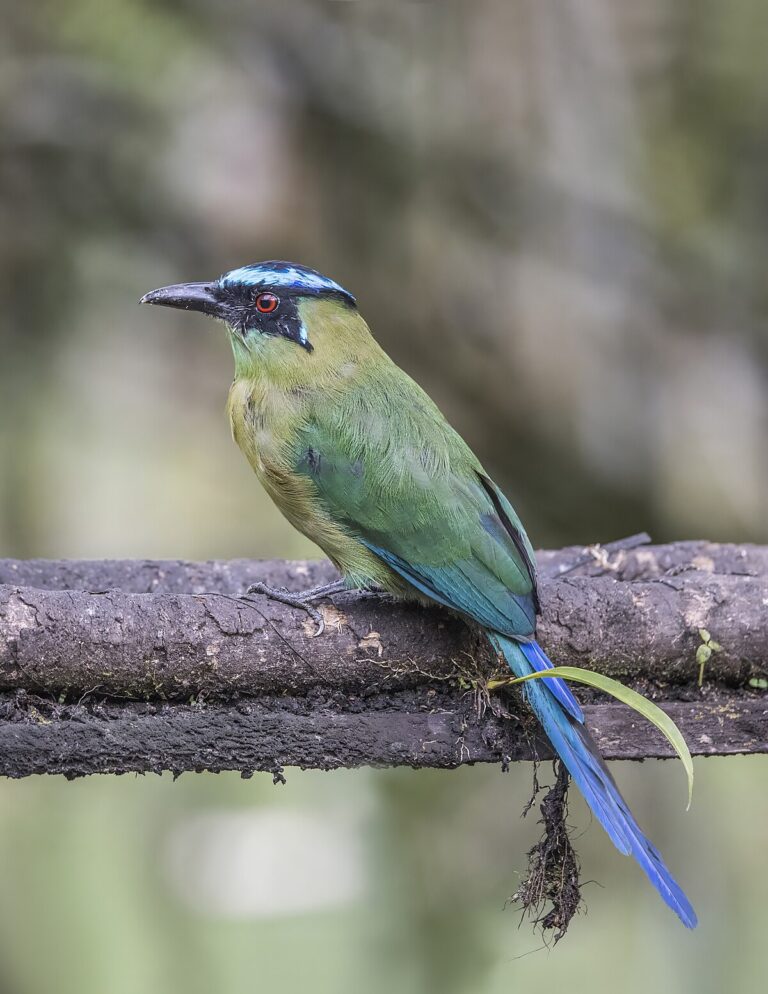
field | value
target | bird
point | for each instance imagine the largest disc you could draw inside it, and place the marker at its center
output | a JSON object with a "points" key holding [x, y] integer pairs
{"points": [[359, 459]]}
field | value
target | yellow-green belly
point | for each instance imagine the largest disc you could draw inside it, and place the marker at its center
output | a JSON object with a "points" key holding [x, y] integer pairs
{"points": [[264, 424]]}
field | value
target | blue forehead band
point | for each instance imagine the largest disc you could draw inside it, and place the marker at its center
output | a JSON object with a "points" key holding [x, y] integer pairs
{"points": [[285, 276]]}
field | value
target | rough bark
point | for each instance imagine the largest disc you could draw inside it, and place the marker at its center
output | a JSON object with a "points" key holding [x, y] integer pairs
{"points": [[118, 666], [419, 728]]}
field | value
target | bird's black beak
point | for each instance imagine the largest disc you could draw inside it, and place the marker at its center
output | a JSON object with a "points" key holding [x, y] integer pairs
{"points": [[203, 297]]}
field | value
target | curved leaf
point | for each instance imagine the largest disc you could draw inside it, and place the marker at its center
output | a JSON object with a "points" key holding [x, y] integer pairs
{"points": [[652, 712]]}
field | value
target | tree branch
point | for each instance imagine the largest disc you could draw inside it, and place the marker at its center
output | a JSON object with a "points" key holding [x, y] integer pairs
{"points": [[120, 666]]}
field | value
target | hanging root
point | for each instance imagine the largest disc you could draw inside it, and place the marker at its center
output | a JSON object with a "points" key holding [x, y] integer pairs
{"points": [[553, 869]]}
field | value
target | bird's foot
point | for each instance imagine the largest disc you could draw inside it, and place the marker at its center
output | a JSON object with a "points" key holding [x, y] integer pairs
{"points": [[302, 601]]}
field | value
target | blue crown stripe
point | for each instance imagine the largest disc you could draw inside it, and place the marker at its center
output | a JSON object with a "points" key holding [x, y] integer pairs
{"points": [[277, 275]]}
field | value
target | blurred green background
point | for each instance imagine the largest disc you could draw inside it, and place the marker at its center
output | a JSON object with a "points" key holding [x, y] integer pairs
{"points": [[555, 215]]}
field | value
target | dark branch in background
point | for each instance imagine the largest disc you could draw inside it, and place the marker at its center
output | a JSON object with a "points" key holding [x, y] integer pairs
{"points": [[151, 666]]}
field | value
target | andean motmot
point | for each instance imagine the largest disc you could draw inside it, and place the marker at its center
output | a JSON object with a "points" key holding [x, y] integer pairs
{"points": [[358, 458]]}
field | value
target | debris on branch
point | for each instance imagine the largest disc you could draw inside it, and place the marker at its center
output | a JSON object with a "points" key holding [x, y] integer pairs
{"points": [[551, 890]]}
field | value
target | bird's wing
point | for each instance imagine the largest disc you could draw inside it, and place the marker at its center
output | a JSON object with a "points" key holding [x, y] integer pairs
{"points": [[417, 497], [487, 574], [419, 500]]}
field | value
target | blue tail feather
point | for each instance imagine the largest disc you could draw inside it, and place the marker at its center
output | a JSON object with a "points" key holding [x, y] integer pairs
{"points": [[539, 661], [575, 747]]}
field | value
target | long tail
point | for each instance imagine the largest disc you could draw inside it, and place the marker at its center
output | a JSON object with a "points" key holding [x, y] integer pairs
{"points": [[577, 749]]}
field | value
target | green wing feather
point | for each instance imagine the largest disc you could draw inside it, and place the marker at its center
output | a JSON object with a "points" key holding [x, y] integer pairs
{"points": [[390, 469]]}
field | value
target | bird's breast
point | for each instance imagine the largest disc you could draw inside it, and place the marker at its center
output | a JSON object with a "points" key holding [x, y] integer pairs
{"points": [[264, 421]]}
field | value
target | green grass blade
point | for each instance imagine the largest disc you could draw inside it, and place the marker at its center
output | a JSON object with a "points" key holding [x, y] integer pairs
{"points": [[652, 712]]}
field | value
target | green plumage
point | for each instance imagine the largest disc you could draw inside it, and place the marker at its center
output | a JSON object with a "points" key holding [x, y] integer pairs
{"points": [[357, 457]]}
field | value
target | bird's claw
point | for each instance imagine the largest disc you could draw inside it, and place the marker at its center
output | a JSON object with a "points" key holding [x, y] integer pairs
{"points": [[318, 619], [284, 596]]}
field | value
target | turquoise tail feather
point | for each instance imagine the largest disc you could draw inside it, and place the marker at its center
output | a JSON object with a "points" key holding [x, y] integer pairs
{"points": [[574, 745], [539, 661]]}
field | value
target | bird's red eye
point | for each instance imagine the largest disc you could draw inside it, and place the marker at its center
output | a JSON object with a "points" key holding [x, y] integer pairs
{"points": [[266, 303]]}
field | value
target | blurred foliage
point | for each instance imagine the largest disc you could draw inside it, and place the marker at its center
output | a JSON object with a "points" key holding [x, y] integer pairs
{"points": [[554, 216]]}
